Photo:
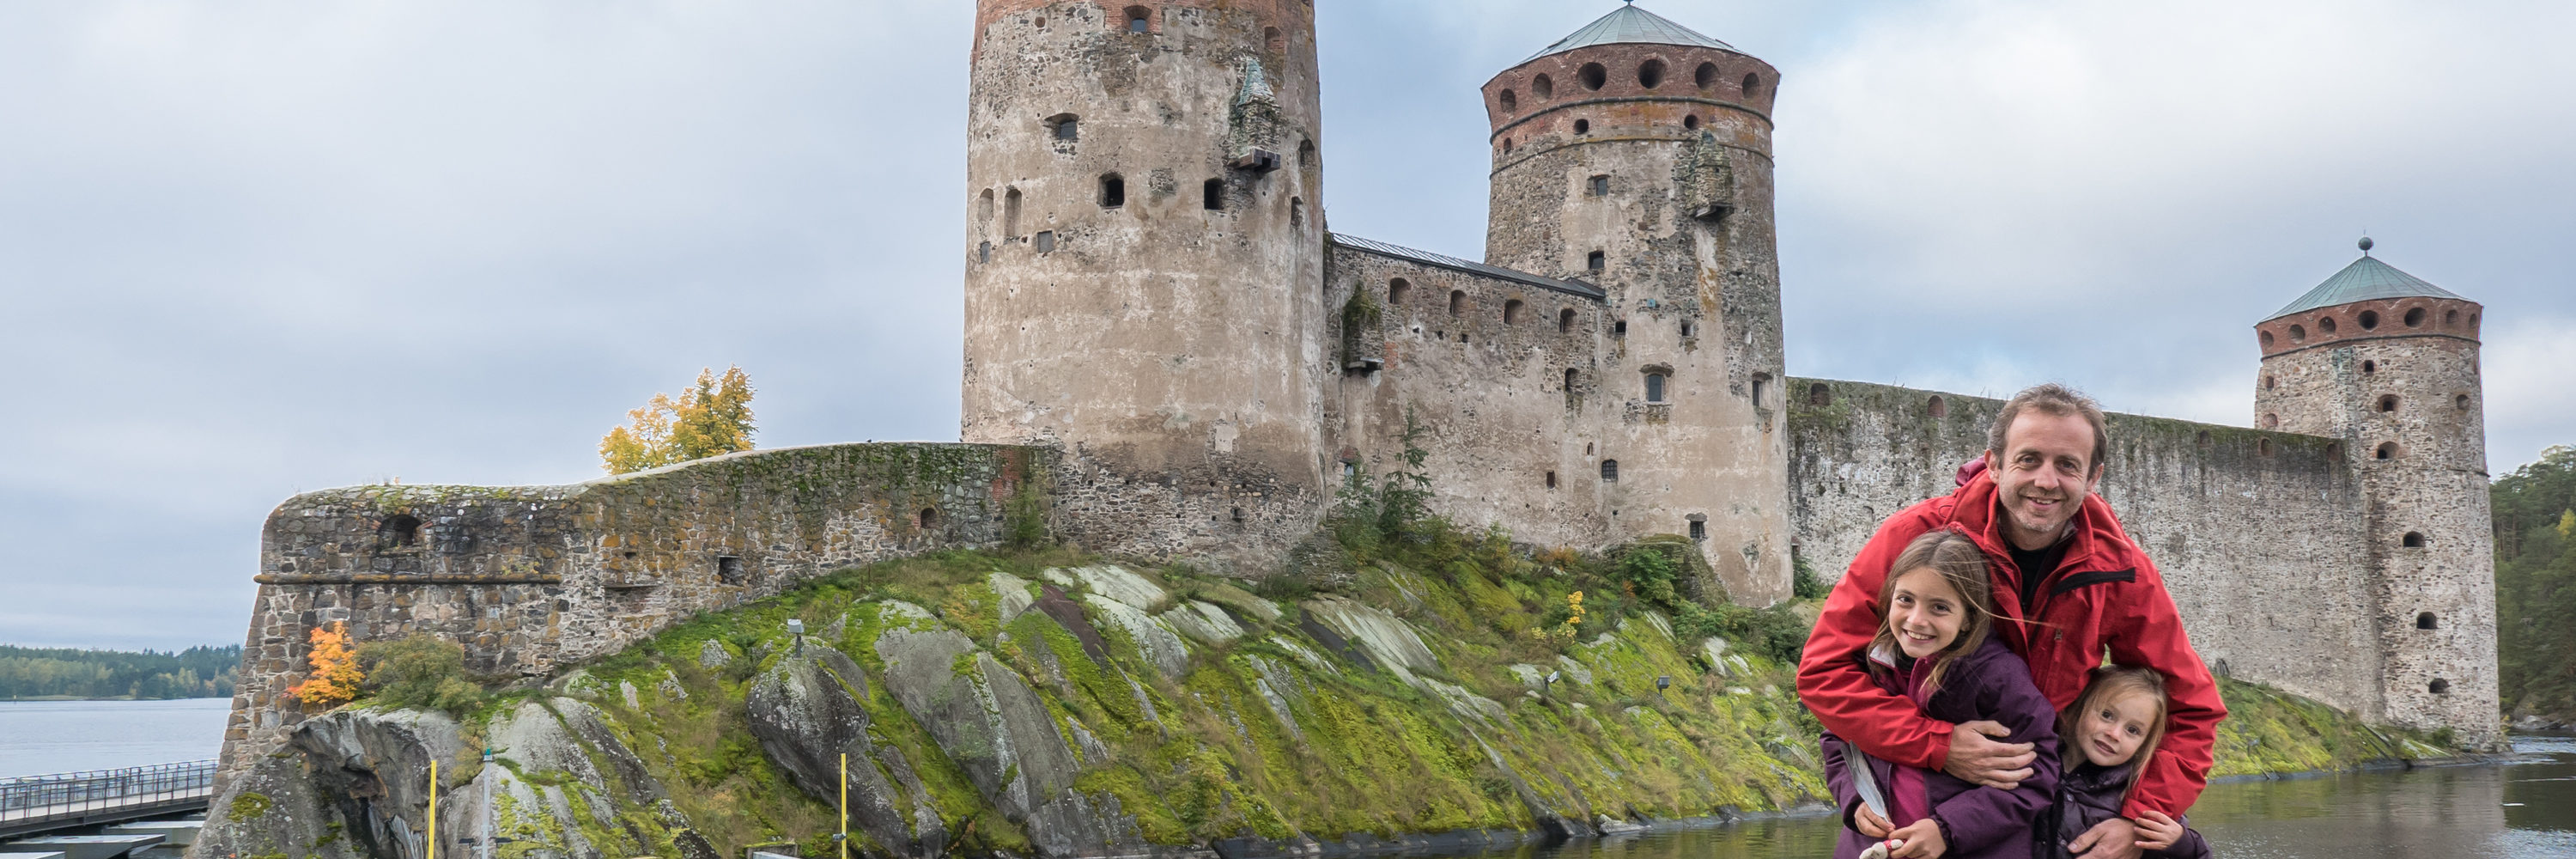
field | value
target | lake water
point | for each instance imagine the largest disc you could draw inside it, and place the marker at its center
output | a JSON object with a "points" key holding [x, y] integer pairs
{"points": [[38, 737], [2510, 810]]}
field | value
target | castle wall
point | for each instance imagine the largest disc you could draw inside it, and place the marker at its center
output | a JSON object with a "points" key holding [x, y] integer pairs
{"points": [[1508, 442], [2260, 535], [532, 578], [1163, 329]]}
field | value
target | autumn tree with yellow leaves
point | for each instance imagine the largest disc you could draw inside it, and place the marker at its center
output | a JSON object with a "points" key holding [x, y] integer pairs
{"points": [[335, 676], [710, 419]]}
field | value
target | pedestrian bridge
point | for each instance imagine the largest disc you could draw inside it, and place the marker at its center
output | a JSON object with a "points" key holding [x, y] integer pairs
{"points": [[36, 804]]}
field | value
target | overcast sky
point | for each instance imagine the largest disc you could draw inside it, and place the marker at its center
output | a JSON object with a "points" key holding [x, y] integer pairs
{"points": [[251, 249]]}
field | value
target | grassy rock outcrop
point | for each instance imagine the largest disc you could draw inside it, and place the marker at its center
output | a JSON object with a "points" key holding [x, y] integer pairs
{"points": [[805, 710], [1452, 691]]}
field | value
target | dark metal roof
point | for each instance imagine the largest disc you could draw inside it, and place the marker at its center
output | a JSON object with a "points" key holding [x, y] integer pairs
{"points": [[1628, 24], [2366, 279], [1570, 287]]}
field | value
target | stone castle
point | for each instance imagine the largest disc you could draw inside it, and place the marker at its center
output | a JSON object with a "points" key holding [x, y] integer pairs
{"points": [[1170, 356]]}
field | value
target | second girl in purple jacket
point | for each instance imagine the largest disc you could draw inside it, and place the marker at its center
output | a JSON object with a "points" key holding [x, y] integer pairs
{"points": [[1935, 646]]}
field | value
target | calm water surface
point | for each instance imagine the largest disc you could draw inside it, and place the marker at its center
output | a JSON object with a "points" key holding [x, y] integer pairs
{"points": [[38, 737], [2513, 810]]}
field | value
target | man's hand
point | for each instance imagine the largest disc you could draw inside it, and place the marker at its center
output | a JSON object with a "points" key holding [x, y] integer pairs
{"points": [[1922, 840], [1977, 759], [1870, 823], [2156, 831], [2115, 838]]}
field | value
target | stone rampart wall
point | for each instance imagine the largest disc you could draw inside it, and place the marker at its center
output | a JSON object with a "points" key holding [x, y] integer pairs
{"points": [[531, 578], [2260, 535], [1506, 438]]}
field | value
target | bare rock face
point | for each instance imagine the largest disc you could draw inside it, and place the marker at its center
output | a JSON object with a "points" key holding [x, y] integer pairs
{"points": [[994, 726], [349, 784], [355, 784], [805, 710]]}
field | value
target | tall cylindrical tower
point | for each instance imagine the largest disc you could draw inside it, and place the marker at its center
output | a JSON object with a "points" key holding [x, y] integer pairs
{"points": [[1635, 154], [1144, 255], [2388, 364]]}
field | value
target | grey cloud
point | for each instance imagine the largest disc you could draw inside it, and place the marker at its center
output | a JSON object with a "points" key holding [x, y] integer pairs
{"points": [[261, 248]]}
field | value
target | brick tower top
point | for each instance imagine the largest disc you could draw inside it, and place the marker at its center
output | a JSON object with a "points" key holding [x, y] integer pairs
{"points": [[2368, 300], [1623, 61]]}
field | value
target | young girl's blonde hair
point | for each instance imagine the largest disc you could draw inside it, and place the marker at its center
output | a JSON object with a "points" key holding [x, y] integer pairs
{"points": [[2105, 684], [1951, 553]]}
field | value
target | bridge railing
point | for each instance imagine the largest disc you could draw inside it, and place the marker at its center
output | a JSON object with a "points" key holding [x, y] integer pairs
{"points": [[28, 799]]}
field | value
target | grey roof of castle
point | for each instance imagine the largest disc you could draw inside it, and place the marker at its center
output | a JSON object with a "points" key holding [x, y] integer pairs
{"points": [[2366, 279], [1629, 24], [1571, 287]]}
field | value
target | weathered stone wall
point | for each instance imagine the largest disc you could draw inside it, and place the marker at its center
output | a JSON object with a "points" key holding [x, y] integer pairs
{"points": [[531, 578], [1508, 441], [2260, 535], [1162, 328], [1646, 169]]}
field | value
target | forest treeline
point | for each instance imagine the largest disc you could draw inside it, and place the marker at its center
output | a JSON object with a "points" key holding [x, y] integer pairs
{"points": [[197, 672], [2535, 538]]}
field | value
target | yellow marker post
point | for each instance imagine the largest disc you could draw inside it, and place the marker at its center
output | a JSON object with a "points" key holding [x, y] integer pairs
{"points": [[845, 806], [433, 808]]}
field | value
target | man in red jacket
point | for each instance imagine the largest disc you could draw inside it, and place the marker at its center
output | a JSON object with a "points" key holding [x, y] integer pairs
{"points": [[2071, 587]]}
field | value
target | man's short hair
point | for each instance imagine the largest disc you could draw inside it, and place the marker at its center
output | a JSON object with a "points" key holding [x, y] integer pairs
{"points": [[2052, 399]]}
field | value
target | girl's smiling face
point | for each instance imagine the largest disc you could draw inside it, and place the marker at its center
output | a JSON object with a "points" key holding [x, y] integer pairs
{"points": [[2110, 732], [1924, 612]]}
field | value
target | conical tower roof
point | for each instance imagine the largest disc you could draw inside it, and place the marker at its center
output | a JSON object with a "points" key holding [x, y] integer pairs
{"points": [[2366, 279], [1629, 24]]}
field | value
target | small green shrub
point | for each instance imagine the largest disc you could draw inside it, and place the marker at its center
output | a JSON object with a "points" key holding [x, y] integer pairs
{"points": [[1803, 582], [422, 671]]}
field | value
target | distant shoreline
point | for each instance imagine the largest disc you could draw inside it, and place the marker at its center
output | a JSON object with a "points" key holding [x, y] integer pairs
{"points": [[114, 698]]}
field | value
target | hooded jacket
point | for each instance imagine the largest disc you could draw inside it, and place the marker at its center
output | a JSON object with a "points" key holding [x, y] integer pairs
{"points": [[1977, 822], [2088, 795], [2104, 596]]}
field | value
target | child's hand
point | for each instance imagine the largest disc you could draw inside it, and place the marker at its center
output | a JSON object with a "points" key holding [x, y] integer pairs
{"points": [[2156, 831], [1922, 840], [1870, 823]]}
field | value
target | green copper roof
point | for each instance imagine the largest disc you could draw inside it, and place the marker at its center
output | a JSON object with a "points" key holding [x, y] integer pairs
{"points": [[1628, 24], [2366, 279]]}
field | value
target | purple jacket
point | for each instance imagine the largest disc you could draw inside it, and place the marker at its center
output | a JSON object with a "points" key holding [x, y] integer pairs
{"points": [[1978, 822], [2089, 795]]}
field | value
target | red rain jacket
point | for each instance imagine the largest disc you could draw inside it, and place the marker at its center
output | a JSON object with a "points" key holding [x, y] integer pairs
{"points": [[2104, 597]]}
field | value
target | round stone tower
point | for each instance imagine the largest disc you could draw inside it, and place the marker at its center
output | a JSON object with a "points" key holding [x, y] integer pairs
{"points": [[1144, 255], [2388, 364], [1635, 154]]}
